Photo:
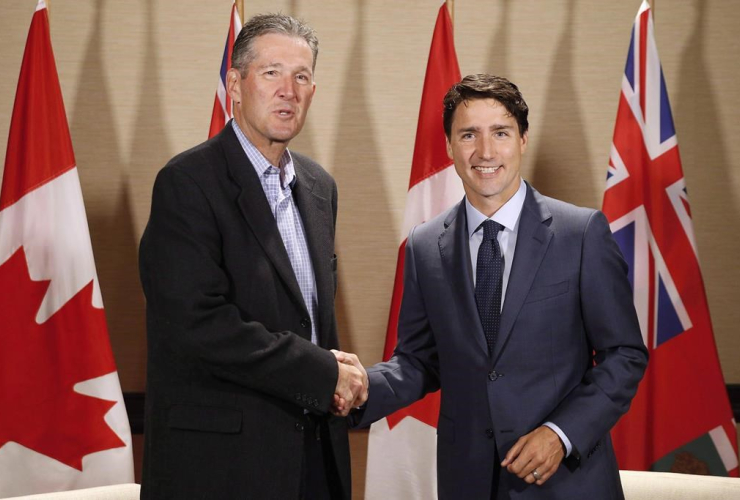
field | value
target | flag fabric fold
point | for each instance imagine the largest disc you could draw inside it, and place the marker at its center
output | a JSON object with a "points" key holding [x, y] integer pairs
{"points": [[402, 448], [680, 419], [222, 105], [63, 423]]}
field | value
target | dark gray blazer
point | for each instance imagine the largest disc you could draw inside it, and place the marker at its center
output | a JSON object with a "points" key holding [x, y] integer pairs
{"points": [[231, 367], [569, 351]]}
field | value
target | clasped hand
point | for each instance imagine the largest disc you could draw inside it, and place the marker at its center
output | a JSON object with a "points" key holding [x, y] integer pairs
{"points": [[541, 450], [352, 384]]}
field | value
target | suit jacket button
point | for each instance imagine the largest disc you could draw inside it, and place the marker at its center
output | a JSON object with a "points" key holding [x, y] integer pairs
{"points": [[494, 375], [299, 427], [489, 433], [306, 322]]}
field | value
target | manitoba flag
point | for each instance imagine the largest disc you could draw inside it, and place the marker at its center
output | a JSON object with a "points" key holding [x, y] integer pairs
{"points": [[680, 420], [63, 424], [222, 106], [401, 460]]}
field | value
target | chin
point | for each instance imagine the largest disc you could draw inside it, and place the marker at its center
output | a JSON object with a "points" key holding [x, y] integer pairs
{"points": [[283, 136]]}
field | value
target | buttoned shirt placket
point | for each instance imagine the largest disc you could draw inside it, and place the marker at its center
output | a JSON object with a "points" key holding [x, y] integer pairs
{"points": [[279, 193]]}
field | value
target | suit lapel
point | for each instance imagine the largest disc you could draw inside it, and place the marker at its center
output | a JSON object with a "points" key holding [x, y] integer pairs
{"points": [[256, 210], [454, 249], [318, 221], [533, 239]]}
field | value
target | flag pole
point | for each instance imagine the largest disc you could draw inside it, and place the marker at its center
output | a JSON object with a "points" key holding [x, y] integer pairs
{"points": [[240, 8], [451, 9]]}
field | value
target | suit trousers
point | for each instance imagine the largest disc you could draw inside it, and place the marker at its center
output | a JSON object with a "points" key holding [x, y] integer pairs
{"points": [[319, 476]]}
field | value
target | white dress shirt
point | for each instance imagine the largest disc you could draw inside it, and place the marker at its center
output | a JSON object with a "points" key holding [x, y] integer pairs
{"points": [[277, 183]]}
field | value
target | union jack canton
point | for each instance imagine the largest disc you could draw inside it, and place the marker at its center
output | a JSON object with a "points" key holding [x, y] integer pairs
{"points": [[222, 105]]}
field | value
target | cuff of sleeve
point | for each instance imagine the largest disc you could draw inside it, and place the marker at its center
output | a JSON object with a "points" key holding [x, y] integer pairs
{"points": [[562, 436]]}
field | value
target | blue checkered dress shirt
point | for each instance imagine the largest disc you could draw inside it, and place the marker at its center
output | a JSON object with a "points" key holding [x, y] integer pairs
{"points": [[277, 183]]}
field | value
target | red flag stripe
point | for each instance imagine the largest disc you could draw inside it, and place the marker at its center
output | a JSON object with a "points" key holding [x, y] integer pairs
{"points": [[39, 144], [443, 71]]}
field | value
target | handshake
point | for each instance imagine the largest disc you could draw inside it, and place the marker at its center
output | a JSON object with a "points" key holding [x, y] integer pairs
{"points": [[352, 384]]}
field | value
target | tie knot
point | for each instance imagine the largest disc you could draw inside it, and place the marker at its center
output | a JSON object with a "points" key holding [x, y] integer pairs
{"points": [[490, 229]]}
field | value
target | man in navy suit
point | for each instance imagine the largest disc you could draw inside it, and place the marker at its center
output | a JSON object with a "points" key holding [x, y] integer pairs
{"points": [[528, 329]]}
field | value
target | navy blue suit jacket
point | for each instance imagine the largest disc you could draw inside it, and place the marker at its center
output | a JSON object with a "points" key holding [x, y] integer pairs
{"points": [[569, 351]]}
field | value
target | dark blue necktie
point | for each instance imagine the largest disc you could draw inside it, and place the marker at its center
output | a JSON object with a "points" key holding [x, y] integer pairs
{"points": [[489, 278]]}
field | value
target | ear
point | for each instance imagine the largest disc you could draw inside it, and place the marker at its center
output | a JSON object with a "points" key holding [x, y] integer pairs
{"points": [[233, 87], [449, 148], [525, 140]]}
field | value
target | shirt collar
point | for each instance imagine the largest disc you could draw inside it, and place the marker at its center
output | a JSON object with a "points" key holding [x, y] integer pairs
{"points": [[507, 215], [261, 164]]}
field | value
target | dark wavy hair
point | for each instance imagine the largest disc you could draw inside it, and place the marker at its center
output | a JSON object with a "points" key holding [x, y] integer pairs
{"points": [[482, 86]]}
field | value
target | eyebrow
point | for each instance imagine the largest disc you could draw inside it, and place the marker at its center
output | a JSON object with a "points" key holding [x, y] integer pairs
{"points": [[271, 65], [281, 66], [491, 128]]}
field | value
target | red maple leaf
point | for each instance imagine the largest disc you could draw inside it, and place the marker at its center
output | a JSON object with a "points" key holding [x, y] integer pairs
{"points": [[41, 363], [425, 410]]}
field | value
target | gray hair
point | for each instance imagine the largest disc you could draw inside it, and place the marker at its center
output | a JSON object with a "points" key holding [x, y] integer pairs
{"points": [[262, 24]]}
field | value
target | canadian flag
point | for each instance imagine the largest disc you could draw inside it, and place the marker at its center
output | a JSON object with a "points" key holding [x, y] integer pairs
{"points": [[401, 460], [63, 424]]}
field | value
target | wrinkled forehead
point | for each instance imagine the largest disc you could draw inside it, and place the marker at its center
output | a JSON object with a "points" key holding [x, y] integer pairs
{"points": [[279, 47]]}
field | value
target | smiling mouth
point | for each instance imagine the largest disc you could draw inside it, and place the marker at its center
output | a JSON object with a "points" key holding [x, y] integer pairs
{"points": [[486, 170]]}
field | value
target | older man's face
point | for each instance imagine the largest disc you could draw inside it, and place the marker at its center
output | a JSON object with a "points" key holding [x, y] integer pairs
{"points": [[277, 90]]}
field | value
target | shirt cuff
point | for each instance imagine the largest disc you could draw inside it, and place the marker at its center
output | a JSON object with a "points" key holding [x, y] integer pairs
{"points": [[562, 436]]}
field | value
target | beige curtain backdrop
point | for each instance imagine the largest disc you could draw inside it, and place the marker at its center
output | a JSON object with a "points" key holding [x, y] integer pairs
{"points": [[139, 78]]}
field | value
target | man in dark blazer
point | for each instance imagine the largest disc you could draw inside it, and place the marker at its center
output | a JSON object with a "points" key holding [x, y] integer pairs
{"points": [[238, 267], [525, 411]]}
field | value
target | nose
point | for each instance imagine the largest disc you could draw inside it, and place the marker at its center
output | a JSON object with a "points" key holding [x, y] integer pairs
{"points": [[485, 148], [287, 90]]}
